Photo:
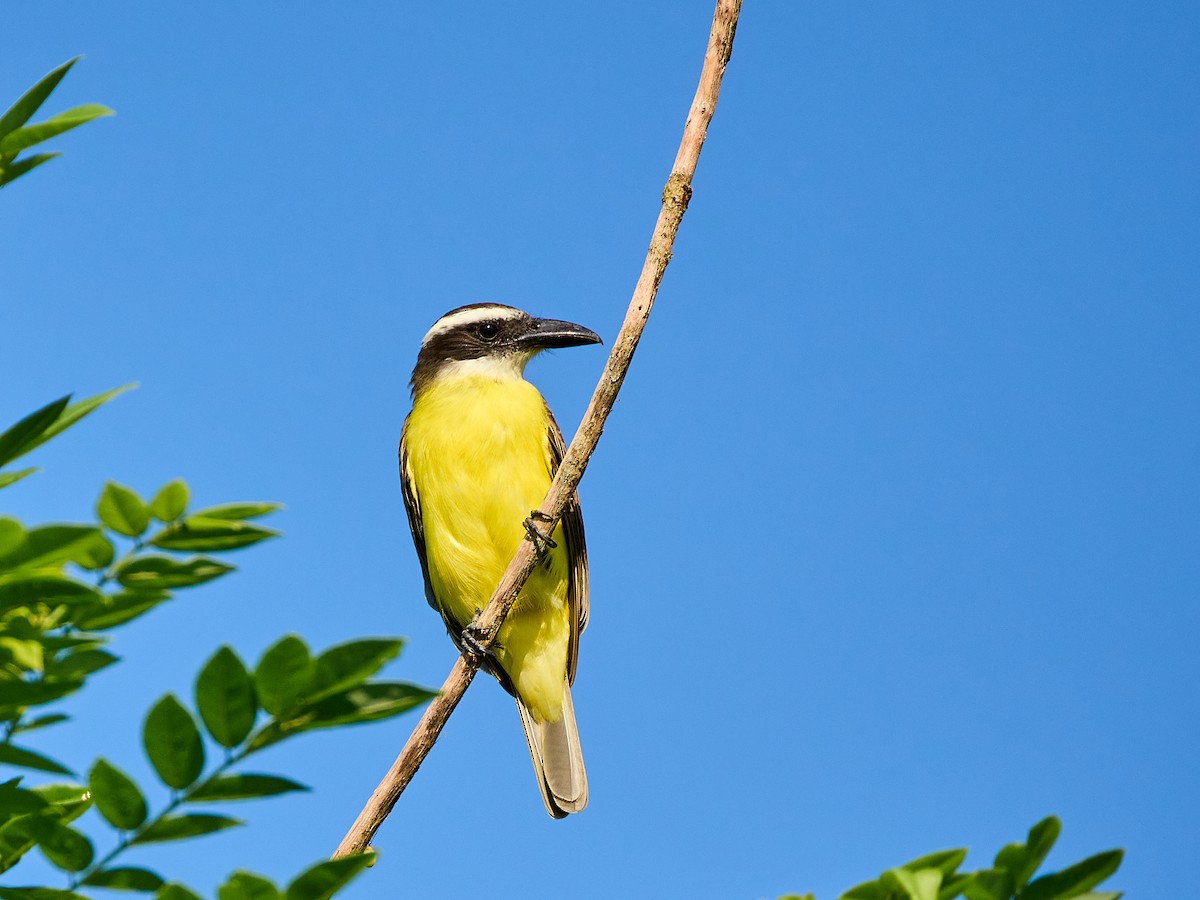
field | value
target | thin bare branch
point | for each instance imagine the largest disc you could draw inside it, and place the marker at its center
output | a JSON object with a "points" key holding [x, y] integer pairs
{"points": [[676, 194]]}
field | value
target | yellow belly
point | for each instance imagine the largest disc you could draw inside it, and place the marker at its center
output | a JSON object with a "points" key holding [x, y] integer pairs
{"points": [[478, 454]]}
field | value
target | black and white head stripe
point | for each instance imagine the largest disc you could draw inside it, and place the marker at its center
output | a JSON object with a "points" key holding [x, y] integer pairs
{"points": [[482, 337], [490, 339], [475, 314]]}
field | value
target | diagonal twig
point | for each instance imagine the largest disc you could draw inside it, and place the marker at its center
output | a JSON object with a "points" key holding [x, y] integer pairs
{"points": [[676, 195]]}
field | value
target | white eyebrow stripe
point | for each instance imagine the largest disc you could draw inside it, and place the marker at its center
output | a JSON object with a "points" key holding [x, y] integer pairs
{"points": [[469, 317]]}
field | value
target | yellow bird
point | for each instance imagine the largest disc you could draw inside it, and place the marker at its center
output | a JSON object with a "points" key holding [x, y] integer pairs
{"points": [[477, 455]]}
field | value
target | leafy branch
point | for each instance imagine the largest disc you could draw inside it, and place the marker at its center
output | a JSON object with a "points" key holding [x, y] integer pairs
{"points": [[935, 876], [300, 693], [62, 587], [16, 136]]}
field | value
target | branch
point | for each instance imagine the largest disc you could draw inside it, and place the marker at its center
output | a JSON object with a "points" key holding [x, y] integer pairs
{"points": [[676, 195]]}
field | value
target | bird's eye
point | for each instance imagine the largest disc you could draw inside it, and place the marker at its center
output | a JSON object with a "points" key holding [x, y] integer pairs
{"points": [[487, 331]]}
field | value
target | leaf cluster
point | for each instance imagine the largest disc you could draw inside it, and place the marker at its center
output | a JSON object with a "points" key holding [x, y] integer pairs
{"points": [[936, 876], [63, 588], [17, 136]]}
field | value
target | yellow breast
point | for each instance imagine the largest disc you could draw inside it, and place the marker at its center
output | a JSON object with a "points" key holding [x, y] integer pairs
{"points": [[478, 455]]}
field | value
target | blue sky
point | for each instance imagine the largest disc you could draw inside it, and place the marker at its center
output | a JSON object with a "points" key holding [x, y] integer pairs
{"points": [[894, 527]]}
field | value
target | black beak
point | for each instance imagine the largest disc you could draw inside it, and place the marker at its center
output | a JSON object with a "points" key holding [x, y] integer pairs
{"points": [[550, 334]]}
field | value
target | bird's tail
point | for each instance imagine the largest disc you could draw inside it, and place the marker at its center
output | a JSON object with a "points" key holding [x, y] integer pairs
{"points": [[557, 759]]}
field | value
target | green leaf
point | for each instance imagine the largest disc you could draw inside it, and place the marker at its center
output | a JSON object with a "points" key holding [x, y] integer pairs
{"points": [[345, 665], [16, 800], [62, 845], [77, 411], [125, 878], [326, 878], [60, 802], [21, 111], [119, 609], [1100, 895], [244, 787], [952, 885], [75, 641], [175, 828], [19, 439], [364, 703], [244, 885], [122, 510], [989, 884], [1022, 860], [196, 533], [27, 759], [11, 535], [170, 501], [225, 698], [80, 663], [20, 694], [919, 884], [71, 800], [15, 170], [65, 418], [868, 890], [283, 674], [1074, 880], [117, 797], [238, 511], [7, 478], [16, 839], [173, 743], [175, 891], [41, 722], [29, 135], [163, 573], [26, 655], [946, 861], [53, 545], [367, 703], [38, 893], [19, 625], [27, 589]]}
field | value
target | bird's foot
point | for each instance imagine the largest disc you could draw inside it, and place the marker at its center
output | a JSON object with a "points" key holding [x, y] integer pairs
{"points": [[542, 542], [471, 641]]}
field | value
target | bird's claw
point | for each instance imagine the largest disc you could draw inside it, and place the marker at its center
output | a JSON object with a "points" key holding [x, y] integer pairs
{"points": [[471, 642], [542, 542]]}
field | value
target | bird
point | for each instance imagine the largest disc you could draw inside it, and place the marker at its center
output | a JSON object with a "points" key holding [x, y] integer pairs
{"points": [[477, 454]]}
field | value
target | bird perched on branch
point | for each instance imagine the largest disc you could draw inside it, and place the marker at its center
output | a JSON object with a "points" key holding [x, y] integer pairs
{"points": [[477, 455]]}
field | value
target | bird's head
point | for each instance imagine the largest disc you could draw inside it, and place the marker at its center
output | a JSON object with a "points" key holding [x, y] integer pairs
{"points": [[492, 339]]}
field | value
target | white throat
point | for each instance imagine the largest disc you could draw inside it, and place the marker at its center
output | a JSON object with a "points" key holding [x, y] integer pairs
{"points": [[498, 367]]}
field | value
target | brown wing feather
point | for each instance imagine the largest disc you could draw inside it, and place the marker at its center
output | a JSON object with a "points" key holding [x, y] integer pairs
{"points": [[412, 506], [572, 522]]}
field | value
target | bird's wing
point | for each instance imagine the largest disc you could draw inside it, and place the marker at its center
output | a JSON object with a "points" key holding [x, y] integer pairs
{"points": [[577, 567], [412, 505]]}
